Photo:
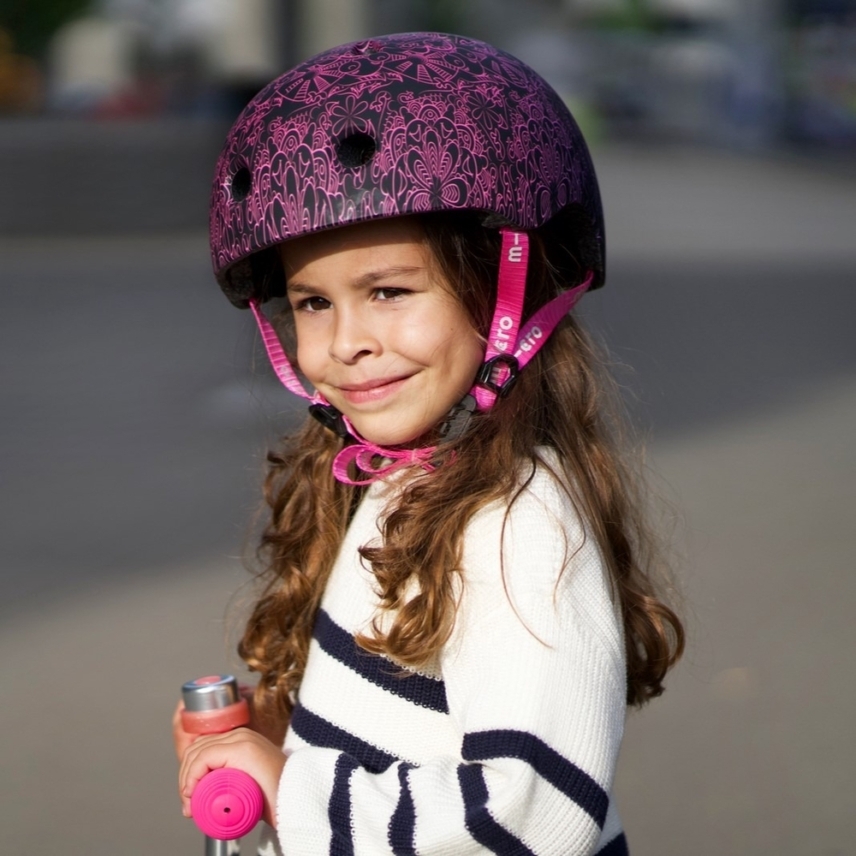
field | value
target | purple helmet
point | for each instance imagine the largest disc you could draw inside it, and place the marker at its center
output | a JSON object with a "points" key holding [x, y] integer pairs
{"points": [[397, 125]]}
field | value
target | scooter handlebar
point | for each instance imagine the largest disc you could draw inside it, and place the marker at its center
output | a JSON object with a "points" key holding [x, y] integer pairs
{"points": [[227, 803]]}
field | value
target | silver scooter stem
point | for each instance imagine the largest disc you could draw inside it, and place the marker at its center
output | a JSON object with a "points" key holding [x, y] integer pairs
{"points": [[213, 847]]}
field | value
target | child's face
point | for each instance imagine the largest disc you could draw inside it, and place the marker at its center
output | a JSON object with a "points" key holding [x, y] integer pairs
{"points": [[379, 332]]}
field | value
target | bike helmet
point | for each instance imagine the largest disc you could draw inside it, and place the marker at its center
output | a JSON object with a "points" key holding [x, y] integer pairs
{"points": [[396, 125], [400, 125]]}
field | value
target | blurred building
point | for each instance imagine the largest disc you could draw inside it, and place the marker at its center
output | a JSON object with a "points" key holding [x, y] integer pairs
{"points": [[739, 73], [136, 58], [821, 72], [132, 58], [21, 80]]}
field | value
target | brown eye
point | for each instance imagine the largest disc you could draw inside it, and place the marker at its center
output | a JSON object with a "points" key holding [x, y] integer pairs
{"points": [[390, 293], [313, 304]]}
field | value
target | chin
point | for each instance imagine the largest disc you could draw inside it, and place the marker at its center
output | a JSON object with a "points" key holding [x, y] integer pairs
{"points": [[389, 440], [381, 437]]}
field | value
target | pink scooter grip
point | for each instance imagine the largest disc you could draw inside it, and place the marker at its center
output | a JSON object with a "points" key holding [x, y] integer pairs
{"points": [[227, 803]]}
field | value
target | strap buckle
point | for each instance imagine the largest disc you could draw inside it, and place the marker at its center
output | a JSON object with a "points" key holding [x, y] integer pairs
{"points": [[455, 424], [485, 376], [330, 418]]}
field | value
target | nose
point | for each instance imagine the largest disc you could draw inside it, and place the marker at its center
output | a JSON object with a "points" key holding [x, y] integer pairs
{"points": [[353, 337]]}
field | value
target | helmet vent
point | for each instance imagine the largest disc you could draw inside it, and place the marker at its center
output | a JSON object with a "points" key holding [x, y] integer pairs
{"points": [[242, 182], [357, 149]]}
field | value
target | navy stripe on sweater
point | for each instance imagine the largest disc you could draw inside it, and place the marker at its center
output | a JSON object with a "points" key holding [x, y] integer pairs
{"points": [[339, 808], [339, 644], [479, 821], [402, 824], [616, 847], [316, 731], [547, 762]]}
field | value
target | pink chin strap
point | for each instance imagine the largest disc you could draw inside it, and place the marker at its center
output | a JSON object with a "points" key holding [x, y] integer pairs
{"points": [[509, 348]]}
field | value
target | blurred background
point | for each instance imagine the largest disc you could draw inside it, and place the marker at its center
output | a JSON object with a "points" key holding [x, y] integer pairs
{"points": [[137, 409]]}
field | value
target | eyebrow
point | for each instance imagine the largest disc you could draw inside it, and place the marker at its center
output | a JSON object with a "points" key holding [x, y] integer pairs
{"points": [[367, 280]]}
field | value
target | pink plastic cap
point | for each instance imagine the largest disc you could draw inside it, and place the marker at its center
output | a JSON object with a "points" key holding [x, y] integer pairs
{"points": [[216, 721], [226, 804]]}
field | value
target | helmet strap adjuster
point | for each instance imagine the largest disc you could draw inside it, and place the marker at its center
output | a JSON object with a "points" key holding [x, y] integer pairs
{"points": [[331, 418], [458, 419], [488, 375]]}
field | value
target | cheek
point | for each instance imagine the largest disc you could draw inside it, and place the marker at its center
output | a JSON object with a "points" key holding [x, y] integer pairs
{"points": [[446, 333], [308, 354], [470, 357], [457, 352]]}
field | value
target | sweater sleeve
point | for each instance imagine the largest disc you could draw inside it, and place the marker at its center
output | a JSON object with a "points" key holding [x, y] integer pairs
{"points": [[534, 682]]}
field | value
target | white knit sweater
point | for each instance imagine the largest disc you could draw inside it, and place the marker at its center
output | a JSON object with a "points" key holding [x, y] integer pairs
{"points": [[509, 747]]}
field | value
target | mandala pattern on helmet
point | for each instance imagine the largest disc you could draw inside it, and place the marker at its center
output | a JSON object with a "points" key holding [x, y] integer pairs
{"points": [[396, 125]]}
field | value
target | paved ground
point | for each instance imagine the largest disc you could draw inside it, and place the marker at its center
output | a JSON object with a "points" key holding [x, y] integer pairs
{"points": [[131, 441], [750, 751]]}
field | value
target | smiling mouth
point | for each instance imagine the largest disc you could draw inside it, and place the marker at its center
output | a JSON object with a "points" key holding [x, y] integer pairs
{"points": [[372, 390]]}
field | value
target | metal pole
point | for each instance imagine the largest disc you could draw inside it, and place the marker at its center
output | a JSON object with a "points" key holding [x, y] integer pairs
{"points": [[213, 847]]}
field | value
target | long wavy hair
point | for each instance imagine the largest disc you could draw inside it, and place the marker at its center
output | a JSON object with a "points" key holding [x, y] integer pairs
{"points": [[563, 400]]}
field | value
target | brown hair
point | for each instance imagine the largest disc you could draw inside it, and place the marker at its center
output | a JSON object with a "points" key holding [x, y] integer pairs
{"points": [[561, 401]]}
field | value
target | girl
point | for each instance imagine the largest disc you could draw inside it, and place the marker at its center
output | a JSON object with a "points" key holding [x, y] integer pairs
{"points": [[458, 600]]}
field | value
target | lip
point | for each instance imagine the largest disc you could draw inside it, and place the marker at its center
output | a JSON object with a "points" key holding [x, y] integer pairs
{"points": [[372, 390]]}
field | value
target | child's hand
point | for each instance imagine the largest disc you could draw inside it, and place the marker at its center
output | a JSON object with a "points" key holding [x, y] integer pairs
{"points": [[274, 731], [180, 737], [241, 749]]}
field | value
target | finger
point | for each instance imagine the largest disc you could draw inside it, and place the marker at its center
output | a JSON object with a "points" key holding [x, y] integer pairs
{"points": [[176, 716], [178, 730], [194, 765], [212, 752], [209, 752], [180, 738]]}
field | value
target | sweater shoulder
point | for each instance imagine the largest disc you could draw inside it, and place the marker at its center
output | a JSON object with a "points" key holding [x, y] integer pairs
{"points": [[534, 559]]}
